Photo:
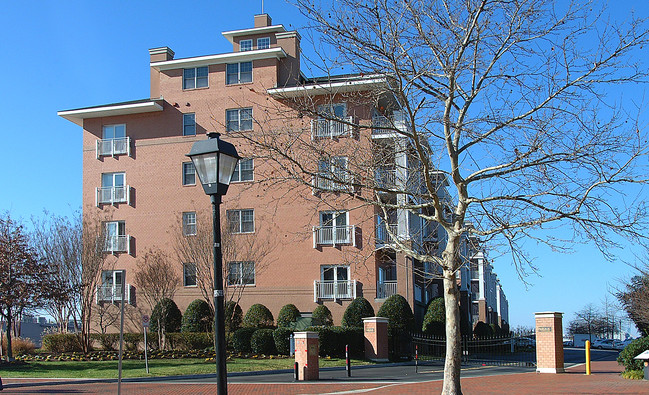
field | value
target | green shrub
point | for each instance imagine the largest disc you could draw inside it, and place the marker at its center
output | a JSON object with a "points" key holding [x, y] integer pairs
{"points": [[282, 342], [108, 341], [333, 339], [322, 316], [198, 317], [61, 342], [132, 341], [168, 314], [191, 341], [482, 330], [233, 316], [241, 339], [631, 351], [287, 316], [262, 342], [258, 316], [435, 318], [358, 309], [399, 314], [633, 374], [496, 329]]}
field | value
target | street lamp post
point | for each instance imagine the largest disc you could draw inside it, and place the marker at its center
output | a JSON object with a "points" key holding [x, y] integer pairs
{"points": [[215, 161]]}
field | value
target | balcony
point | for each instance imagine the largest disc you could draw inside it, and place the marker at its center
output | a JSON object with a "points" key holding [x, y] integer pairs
{"points": [[116, 244], [334, 290], [325, 181], [113, 294], [383, 126], [113, 147], [386, 289], [383, 237], [385, 178], [113, 195], [334, 235], [330, 128]]}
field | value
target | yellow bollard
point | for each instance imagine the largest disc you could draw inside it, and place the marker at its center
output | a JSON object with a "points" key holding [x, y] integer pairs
{"points": [[587, 357]]}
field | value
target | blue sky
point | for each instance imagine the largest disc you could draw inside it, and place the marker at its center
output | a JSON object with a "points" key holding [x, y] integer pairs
{"points": [[59, 55]]}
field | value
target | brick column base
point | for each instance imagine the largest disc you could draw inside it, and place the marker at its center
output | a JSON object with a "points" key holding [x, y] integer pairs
{"points": [[376, 338], [549, 342], [306, 355]]}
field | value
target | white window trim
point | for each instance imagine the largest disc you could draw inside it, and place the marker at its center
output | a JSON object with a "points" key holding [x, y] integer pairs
{"points": [[186, 224], [263, 38], [240, 278], [196, 78], [240, 222], [239, 110], [239, 168], [183, 175], [245, 41], [113, 126], [323, 267], [185, 276], [252, 74]]}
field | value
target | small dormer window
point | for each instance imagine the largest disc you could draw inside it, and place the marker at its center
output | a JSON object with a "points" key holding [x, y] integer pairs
{"points": [[263, 43], [245, 45]]}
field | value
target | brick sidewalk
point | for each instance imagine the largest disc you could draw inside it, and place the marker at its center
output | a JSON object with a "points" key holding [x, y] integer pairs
{"points": [[605, 379]]}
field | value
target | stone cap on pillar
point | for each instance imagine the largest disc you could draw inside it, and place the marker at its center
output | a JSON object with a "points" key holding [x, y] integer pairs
{"points": [[305, 335], [547, 314], [375, 319]]}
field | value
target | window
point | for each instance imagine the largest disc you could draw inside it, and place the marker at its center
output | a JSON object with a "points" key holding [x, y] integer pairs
{"points": [[189, 223], [189, 274], [110, 132], [241, 273], [333, 228], [331, 121], [189, 124], [238, 119], [238, 73], [263, 43], [112, 180], [243, 171], [116, 238], [241, 221], [189, 174], [113, 189], [332, 173], [245, 45], [195, 78]]}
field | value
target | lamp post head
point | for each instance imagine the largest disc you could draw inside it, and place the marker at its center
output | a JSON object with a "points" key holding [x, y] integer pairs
{"points": [[215, 161]]}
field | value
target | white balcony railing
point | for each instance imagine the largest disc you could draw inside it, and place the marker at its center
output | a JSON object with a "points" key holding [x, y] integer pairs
{"points": [[383, 237], [334, 290], [330, 128], [113, 147], [334, 235], [383, 126], [325, 181], [113, 293], [121, 243], [113, 195], [386, 289]]}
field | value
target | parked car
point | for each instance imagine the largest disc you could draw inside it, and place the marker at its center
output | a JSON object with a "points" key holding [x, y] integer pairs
{"points": [[604, 344]]}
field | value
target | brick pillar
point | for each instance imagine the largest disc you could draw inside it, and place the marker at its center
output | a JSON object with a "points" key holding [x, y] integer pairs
{"points": [[306, 355], [549, 342], [376, 338]]}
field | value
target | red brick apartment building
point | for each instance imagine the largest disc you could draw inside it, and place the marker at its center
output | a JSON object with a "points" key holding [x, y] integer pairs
{"points": [[308, 246]]}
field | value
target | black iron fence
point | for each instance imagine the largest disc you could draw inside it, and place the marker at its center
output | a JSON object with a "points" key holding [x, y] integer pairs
{"points": [[502, 351]]}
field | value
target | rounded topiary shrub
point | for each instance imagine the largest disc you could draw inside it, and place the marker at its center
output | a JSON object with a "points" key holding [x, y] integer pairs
{"points": [[263, 342], [198, 317], [282, 340], [435, 318], [287, 316], [399, 314], [167, 313], [233, 316], [482, 330], [241, 339], [322, 316], [631, 351], [358, 309], [258, 316]]}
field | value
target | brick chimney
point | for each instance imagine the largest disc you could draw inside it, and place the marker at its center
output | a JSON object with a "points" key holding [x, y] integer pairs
{"points": [[158, 55], [263, 20]]}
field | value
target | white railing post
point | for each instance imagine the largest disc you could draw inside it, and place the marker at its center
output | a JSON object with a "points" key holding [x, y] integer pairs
{"points": [[354, 289], [315, 235], [315, 291], [128, 146]]}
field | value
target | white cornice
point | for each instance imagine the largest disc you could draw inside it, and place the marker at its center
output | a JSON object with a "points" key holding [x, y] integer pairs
{"points": [[329, 88], [231, 57], [77, 116], [230, 35]]}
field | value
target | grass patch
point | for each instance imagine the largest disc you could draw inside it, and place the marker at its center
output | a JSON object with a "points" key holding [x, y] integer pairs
{"points": [[157, 367], [633, 374]]}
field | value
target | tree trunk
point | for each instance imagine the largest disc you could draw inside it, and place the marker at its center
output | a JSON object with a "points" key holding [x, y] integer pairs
{"points": [[453, 361], [10, 354]]}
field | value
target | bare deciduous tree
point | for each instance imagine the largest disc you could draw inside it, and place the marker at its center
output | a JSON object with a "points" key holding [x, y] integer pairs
{"points": [[634, 297], [507, 100]]}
